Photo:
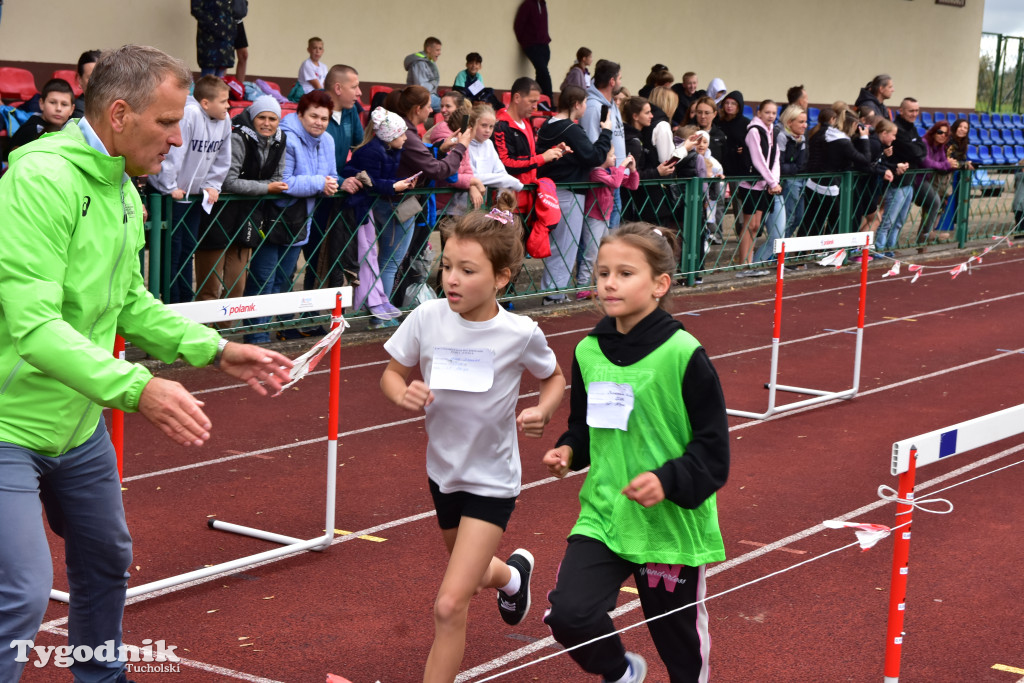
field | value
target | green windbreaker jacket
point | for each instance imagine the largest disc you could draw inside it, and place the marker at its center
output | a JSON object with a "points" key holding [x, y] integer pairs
{"points": [[70, 234]]}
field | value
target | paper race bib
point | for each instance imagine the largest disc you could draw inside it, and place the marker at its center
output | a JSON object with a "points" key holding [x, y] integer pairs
{"points": [[462, 369], [609, 405]]}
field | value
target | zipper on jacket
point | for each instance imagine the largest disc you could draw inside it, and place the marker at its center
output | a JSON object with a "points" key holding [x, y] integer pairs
{"points": [[106, 306], [10, 377]]}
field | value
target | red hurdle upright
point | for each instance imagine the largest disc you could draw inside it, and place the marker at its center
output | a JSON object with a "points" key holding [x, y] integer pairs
{"points": [[814, 243]]}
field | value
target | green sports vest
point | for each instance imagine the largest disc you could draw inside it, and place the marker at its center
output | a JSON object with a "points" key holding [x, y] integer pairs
{"points": [[658, 430]]}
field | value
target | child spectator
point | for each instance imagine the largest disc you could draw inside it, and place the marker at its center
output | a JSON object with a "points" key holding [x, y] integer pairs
{"points": [[421, 69], [56, 102], [759, 197], [471, 74], [652, 80], [257, 169], [199, 166], [578, 73], [377, 157], [472, 449], [470, 82], [312, 73], [455, 109], [707, 167], [487, 166], [598, 211], [648, 505], [563, 131]]}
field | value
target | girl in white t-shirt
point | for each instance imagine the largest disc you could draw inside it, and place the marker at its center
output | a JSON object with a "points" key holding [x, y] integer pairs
{"points": [[472, 354]]}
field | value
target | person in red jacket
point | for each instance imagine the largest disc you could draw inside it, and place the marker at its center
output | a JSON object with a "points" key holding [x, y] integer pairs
{"points": [[513, 138]]}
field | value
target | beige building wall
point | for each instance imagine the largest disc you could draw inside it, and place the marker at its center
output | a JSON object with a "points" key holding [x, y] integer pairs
{"points": [[759, 47]]}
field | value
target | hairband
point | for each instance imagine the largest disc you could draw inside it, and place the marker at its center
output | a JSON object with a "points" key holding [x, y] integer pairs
{"points": [[503, 217], [658, 233]]}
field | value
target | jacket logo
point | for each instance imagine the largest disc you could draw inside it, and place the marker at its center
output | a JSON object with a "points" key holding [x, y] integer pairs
{"points": [[85, 205]]}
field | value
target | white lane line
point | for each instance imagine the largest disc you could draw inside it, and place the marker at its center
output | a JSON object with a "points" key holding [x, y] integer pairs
{"points": [[371, 428], [202, 666], [697, 311], [548, 480], [549, 641]]}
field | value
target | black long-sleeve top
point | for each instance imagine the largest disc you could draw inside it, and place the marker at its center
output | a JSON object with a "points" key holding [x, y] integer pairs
{"points": [[703, 467]]}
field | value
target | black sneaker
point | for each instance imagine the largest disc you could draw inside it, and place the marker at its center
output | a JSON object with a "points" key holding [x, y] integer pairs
{"points": [[514, 608]]}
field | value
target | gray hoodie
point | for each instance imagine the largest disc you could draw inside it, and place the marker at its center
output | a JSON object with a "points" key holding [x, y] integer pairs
{"points": [[204, 157], [421, 70]]}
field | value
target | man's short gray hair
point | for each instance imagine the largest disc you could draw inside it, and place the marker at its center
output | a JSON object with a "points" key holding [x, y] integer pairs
{"points": [[131, 73]]}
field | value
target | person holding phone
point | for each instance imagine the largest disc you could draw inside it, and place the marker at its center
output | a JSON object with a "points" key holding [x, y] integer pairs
{"points": [[563, 130], [651, 203], [455, 109]]}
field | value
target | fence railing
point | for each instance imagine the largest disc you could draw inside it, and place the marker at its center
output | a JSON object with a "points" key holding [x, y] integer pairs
{"points": [[245, 244]]}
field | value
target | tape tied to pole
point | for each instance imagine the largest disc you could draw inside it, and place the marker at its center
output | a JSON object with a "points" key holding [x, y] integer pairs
{"points": [[890, 494]]}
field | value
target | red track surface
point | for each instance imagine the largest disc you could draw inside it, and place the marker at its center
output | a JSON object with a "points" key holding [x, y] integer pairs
{"points": [[363, 608]]}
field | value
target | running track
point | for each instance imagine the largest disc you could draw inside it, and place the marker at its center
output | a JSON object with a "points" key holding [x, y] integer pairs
{"points": [[936, 352]]}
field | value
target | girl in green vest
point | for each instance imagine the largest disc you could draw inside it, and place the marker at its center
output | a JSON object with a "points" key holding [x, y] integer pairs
{"points": [[648, 416]]}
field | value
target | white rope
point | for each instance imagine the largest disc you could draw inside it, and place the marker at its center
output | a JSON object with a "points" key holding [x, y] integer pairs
{"points": [[665, 614], [893, 497], [890, 494]]}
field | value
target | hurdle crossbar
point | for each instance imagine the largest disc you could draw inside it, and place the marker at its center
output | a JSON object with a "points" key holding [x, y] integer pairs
{"points": [[907, 456], [250, 307], [812, 243]]}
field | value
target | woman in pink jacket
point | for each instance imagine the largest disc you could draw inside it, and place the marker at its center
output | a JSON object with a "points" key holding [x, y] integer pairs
{"points": [[757, 196]]}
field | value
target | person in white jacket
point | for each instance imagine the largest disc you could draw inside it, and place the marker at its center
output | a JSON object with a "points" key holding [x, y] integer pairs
{"points": [[199, 166], [483, 156]]}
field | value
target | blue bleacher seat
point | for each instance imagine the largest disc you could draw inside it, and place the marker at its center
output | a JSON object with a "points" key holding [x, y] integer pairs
{"points": [[748, 111], [997, 136], [973, 137], [997, 121], [981, 179], [998, 156], [921, 130], [927, 119], [1018, 151], [973, 119], [951, 117], [1017, 121], [1007, 121], [985, 155], [812, 114], [1018, 136], [940, 116], [986, 120], [1011, 154], [972, 154], [985, 136]]}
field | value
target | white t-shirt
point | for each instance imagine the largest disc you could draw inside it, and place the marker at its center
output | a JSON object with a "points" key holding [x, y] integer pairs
{"points": [[471, 436], [308, 71]]}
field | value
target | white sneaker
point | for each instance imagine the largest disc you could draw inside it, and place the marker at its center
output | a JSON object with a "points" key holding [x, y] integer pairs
{"points": [[637, 671]]}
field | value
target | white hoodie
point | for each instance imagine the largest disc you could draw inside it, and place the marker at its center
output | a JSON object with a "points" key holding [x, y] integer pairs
{"points": [[204, 157], [488, 168]]}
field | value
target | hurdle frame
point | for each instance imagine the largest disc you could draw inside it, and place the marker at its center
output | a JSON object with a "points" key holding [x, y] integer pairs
{"points": [[812, 243], [219, 310], [907, 456]]}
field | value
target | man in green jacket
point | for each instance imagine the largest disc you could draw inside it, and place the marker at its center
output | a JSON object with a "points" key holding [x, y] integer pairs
{"points": [[70, 230]]}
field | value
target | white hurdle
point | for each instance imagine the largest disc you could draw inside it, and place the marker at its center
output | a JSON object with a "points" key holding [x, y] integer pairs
{"points": [[252, 307], [907, 456], [813, 243]]}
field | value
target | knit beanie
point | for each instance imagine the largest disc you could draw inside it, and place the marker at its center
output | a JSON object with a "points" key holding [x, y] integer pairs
{"points": [[262, 104], [387, 125]]}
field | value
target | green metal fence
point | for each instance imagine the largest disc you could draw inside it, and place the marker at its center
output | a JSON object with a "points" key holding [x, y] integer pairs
{"points": [[708, 216]]}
